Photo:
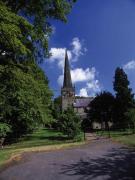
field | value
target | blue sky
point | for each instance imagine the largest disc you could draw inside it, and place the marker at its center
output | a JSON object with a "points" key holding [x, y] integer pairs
{"points": [[99, 36]]}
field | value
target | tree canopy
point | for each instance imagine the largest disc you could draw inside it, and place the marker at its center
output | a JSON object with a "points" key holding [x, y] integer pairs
{"points": [[70, 123], [130, 115], [14, 33], [101, 108], [25, 26], [25, 97], [124, 96], [57, 107]]}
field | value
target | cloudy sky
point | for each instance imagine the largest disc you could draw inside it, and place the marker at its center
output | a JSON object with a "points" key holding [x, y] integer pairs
{"points": [[99, 36]]}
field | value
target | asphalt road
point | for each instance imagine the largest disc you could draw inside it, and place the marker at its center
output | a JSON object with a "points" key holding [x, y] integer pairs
{"points": [[99, 160]]}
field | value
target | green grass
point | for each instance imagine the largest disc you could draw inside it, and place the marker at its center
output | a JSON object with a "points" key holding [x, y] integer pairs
{"points": [[39, 140], [125, 137]]}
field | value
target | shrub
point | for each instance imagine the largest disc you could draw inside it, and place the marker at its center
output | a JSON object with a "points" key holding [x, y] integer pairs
{"points": [[70, 123], [4, 130], [130, 114]]}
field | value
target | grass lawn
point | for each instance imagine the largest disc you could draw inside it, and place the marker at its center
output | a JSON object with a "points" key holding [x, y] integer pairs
{"points": [[124, 137], [40, 140]]}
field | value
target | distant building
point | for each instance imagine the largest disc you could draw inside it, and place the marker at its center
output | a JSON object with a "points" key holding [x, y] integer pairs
{"points": [[80, 104]]}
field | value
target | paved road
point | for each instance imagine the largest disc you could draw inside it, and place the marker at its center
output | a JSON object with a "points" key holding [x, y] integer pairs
{"points": [[99, 160]]}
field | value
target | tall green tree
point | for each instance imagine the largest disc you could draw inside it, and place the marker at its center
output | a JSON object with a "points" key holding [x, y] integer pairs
{"points": [[57, 107], [124, 96], [25, 98], [101, 108], [130, 114], [30, 33]]}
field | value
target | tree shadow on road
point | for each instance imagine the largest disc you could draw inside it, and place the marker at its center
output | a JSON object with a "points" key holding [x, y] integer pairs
{"points": [[116, 165]]}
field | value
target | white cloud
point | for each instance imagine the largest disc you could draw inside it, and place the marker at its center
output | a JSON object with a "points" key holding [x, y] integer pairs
{"points": [[60, 80], [89, 76], [91, 88], [129, 66], [77, 49], [80, 75], [94, 86], [58, 54], [83, 92]]}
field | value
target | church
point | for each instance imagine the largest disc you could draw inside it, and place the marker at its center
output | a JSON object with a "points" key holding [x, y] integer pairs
{"points": [[68, 97]]}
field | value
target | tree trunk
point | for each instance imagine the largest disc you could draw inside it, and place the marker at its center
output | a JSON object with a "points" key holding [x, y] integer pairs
{"points": [[1, 142], [133, 127]]}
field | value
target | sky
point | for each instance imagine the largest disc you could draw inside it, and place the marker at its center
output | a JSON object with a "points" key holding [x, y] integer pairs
{"points": [[99, 37]]}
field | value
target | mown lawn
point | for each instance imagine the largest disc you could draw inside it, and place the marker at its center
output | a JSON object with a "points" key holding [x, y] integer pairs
{"points": [[39, 139], [125, 137]]}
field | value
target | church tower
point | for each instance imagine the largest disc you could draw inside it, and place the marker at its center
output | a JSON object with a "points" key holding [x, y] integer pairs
{"points": [[67, 91]]}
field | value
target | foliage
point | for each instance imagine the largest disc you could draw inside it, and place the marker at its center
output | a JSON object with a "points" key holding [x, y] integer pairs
{"points": [[124, 97], [101, 108], [31, 34], [25, 98], [15, 30], [57, 107], [4, 129], [130, 114], [70, 123], [42, 9]]}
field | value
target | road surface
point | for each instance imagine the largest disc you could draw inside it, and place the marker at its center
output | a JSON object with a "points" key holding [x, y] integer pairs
{"points": [[99, 160]]}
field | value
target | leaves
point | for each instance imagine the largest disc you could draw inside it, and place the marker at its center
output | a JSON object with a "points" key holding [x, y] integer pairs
{"points": [[25, 26], [25, 96], [70, 123], [101, 108], [4, 130], [14, 31], [124, 95], [130, 115]]}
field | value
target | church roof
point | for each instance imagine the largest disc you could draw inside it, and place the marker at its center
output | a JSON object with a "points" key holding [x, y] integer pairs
{"points": [[82, 102], [67, 83]]}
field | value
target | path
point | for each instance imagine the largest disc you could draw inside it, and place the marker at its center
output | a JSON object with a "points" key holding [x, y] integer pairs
{"points": [[98, 160]]}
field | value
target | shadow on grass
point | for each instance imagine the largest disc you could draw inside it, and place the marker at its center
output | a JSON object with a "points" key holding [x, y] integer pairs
{"points": [[38, 138], [46, 134], [117, 164], [50, 137], [113, 133], [56, 138]]}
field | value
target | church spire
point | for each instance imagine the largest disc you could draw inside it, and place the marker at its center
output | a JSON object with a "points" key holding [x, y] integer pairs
{"points": [[67, 76]]}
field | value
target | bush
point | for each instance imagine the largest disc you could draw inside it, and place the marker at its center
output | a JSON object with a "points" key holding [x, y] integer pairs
{"points": [[70, 123], [130, 114], [4, 130]]}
